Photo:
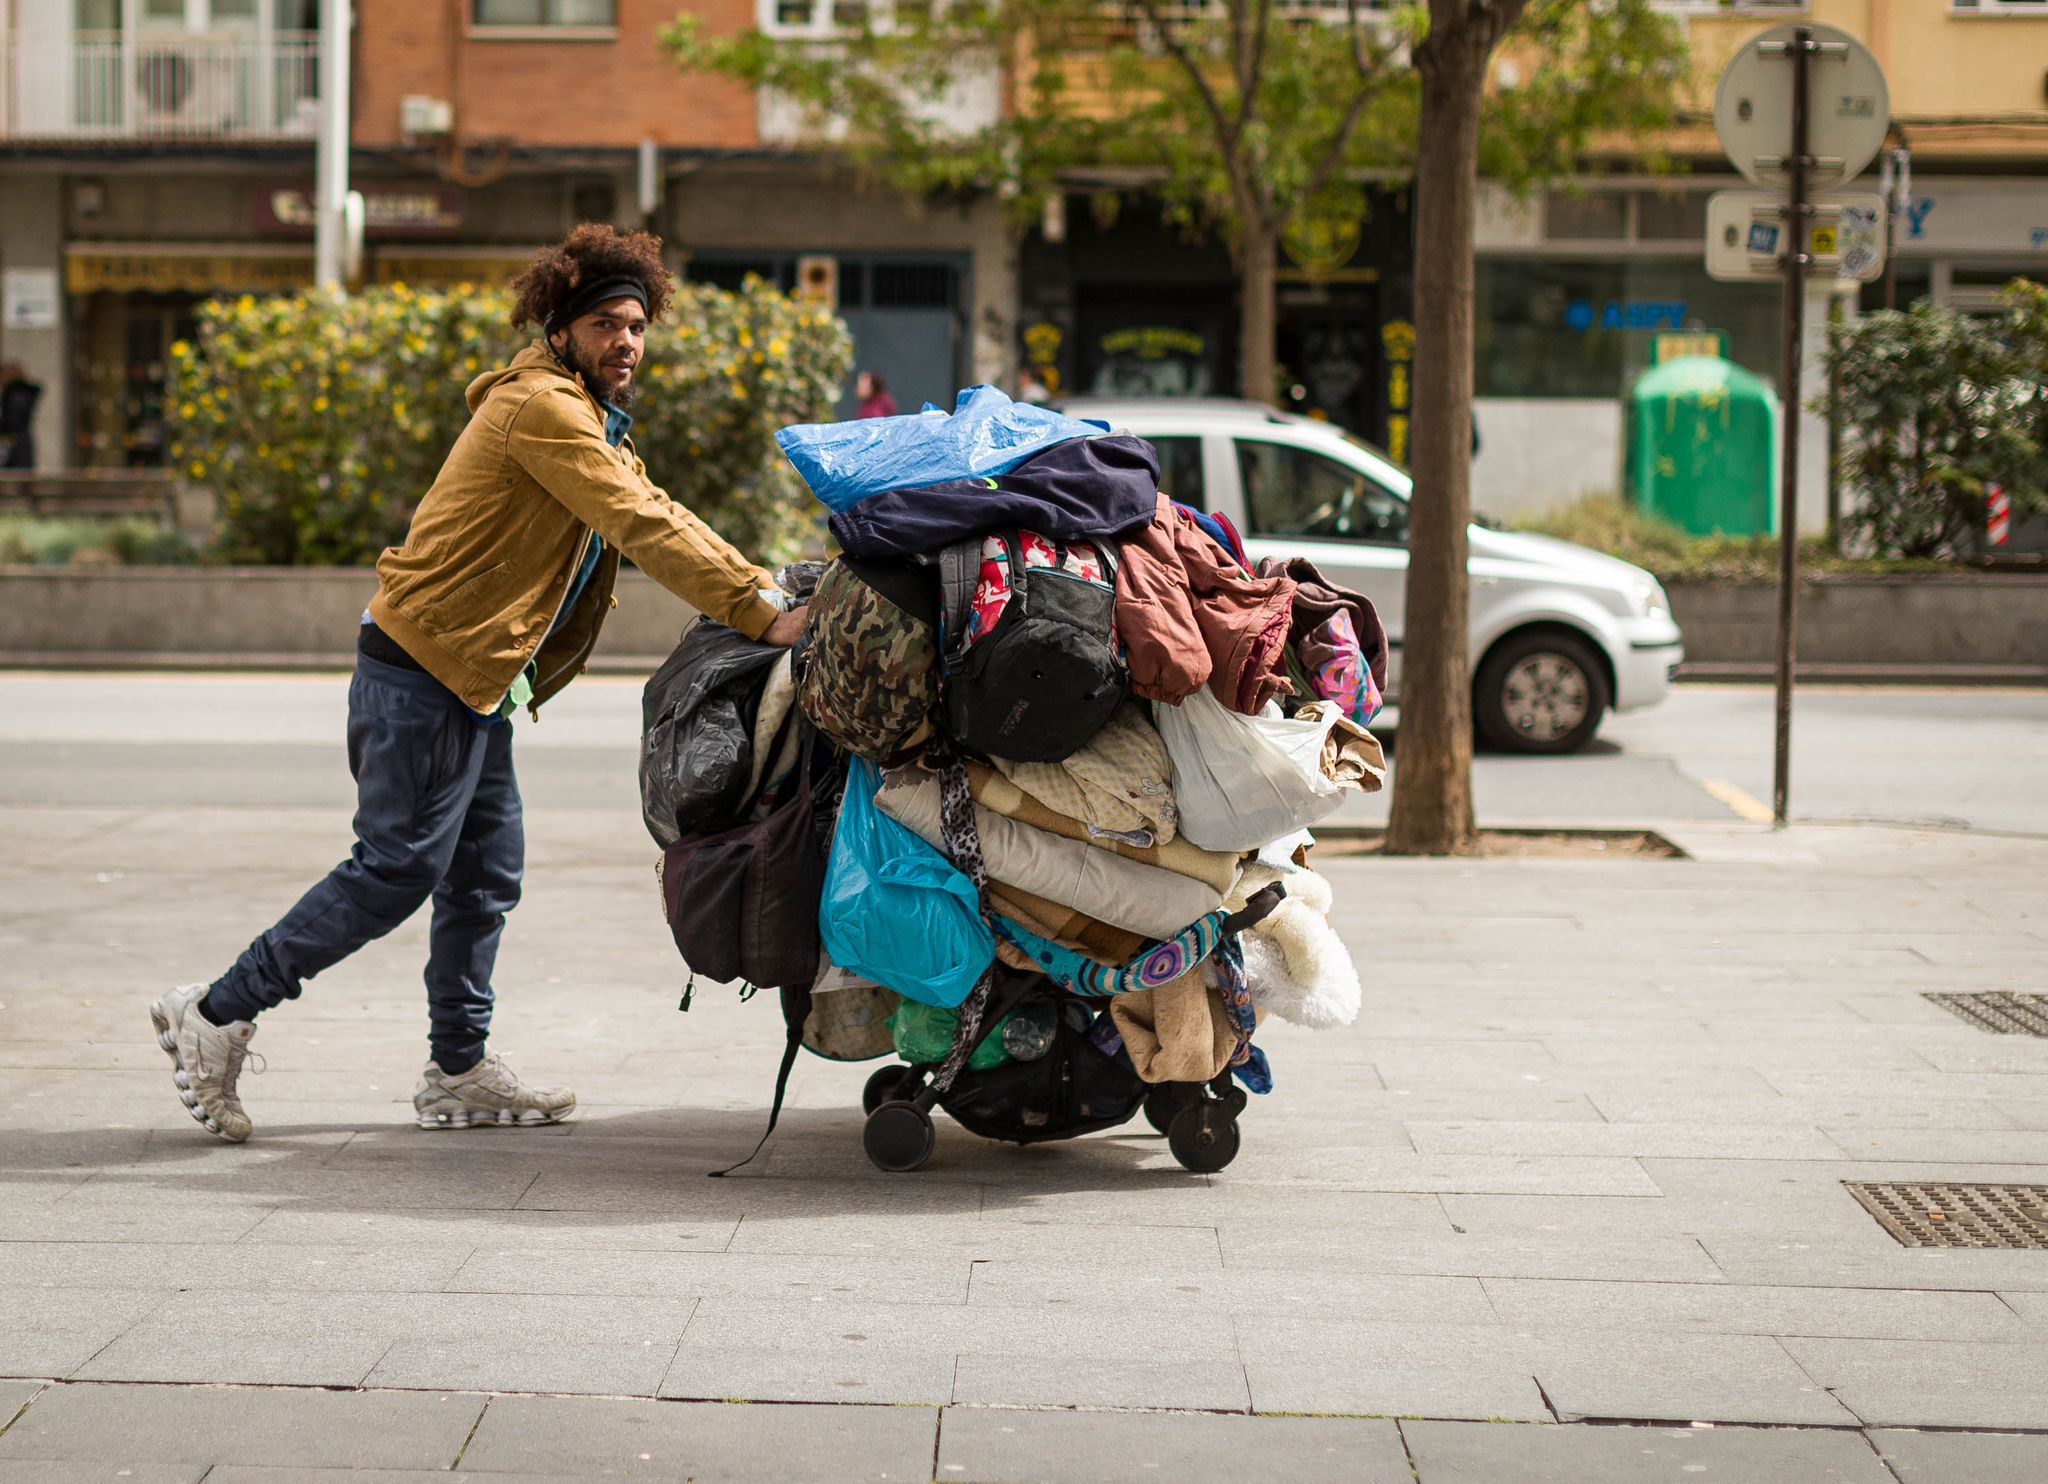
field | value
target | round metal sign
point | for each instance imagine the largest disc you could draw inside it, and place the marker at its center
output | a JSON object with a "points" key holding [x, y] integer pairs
{"points": [[1848, 106]]}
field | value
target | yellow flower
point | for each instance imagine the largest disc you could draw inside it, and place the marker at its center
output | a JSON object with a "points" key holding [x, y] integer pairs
{"points": [[319, 404]]}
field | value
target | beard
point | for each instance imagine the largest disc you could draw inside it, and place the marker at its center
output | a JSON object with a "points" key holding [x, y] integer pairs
{"points": [[586, 370]]}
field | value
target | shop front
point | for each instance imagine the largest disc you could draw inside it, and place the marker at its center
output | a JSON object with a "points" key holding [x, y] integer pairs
{"points": [[130, 302], [1127, 306]]}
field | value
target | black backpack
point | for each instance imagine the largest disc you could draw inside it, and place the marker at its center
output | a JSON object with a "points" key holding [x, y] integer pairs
{"points": [[1049, 675]]}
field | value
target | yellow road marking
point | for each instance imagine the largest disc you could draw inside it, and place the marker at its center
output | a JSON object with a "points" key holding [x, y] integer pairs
{"points": [[1739, 801]]}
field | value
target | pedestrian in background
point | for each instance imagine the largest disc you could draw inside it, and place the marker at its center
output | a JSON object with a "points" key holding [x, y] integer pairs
{"points": [[18, 398], [493, 602], [873, 395]]}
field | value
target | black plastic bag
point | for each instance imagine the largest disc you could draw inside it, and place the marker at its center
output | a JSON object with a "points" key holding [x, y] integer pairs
{"points": [[697, 730], [697, 717]]}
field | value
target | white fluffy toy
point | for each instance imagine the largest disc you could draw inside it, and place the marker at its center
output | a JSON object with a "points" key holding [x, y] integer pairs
{"points": [[1294, 963]]}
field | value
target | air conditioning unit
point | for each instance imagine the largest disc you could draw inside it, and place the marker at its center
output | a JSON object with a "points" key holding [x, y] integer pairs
{"points": [[188, 90], [421, 117]]}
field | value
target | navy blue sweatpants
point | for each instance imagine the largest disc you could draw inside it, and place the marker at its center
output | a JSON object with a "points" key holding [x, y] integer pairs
{"points": [[437, 815]]}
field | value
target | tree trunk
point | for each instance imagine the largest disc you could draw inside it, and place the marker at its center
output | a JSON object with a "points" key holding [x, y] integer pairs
{"points": [[1432, 812], [1257, 317]]}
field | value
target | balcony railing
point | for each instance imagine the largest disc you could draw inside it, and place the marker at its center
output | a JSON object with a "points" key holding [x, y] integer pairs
{"points": [[170, 86]]}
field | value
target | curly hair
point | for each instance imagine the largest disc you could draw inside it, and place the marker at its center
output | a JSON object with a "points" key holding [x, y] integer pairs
{"points": [[591, 252]]}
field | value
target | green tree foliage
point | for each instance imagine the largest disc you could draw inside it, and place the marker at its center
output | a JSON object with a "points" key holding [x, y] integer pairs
{"points": [[1259, 122], [1938, 407], [320, 421]]}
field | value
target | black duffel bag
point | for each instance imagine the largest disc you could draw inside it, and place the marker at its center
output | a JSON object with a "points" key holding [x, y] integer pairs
{"points": [[742, 903]]}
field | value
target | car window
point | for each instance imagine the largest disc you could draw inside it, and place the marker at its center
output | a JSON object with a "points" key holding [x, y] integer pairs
{"points": [[1292, 491], [1180, 470]]}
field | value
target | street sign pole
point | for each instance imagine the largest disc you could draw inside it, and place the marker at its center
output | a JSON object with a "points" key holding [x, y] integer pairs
{"points": [[1757, 105], [1800, 51]]}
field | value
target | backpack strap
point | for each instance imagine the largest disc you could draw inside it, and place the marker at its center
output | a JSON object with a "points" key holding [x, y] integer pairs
{"points": [[796, 1012], [959, 576]]}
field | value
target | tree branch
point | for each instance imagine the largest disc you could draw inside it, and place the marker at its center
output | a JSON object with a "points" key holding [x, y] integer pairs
{"points": [[1254, 72], [1226, 131], [1326, 168]]}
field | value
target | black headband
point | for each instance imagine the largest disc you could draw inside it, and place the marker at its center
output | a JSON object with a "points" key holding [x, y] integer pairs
{"points": [[590, 295]]}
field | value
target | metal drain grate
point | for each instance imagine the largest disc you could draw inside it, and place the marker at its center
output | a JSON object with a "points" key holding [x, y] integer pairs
{"points": [[1947, 1215], [1999, 1010]]}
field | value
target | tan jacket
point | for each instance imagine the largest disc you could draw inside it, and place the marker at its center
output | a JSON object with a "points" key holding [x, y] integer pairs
{"points": [[488, 559]]}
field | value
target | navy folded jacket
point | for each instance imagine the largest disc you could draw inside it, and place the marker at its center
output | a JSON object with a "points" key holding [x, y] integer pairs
{"points": [[1088, 487]]}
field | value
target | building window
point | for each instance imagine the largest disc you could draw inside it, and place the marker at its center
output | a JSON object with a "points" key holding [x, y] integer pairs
{"points": [[579, 14], [1999, 7], [1585, 327]]}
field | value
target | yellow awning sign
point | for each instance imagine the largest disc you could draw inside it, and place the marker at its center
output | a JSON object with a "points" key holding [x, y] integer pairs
{"points": [[421, 271], [201, 271]]}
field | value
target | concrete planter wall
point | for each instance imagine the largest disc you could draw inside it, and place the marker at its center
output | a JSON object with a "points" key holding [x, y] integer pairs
{"points": [[285, 617], [260, 616], [1927, 623]]}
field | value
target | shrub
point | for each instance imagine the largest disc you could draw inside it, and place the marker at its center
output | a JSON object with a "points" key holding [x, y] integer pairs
{"points": [[1674, 555], [1937, 408], [62, 541], [320, 422]]}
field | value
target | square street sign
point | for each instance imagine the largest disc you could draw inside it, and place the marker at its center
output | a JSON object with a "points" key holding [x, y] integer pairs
{"points": [[1746, 236]]}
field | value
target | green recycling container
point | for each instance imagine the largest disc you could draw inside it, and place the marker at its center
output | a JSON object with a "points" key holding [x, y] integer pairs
{"points": [[1702, 447]]}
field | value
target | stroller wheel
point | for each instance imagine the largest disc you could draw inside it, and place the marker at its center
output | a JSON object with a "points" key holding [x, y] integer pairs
{"points": [[890, 1084], [1204, 1137], [898, 1137], [1164, 1101]]}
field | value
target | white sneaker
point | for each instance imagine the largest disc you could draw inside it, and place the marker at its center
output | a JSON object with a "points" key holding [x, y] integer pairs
{"points": [[208, 1059], [489, 1092]]}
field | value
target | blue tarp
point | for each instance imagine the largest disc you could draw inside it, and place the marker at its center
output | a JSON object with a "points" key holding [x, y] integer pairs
{"points": [[985, 434]]}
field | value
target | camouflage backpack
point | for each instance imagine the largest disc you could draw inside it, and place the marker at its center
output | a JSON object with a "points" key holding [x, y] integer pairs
{"points": [[870, 676]]}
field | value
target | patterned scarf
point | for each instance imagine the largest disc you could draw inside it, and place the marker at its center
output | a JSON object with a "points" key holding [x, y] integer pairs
{"points": [[962, 843]]}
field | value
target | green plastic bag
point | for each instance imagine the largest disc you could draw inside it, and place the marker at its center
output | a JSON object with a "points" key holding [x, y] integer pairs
{"points": [[924, 1033]]}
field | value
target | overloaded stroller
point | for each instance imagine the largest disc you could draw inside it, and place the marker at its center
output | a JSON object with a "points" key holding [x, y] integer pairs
{"points": [[1029, 807]]}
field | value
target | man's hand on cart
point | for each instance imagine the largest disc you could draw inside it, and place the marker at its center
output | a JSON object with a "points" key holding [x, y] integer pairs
{"points": [[788, 627]]}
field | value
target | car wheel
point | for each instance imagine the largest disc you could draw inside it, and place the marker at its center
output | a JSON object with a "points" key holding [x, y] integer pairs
{"points": [[1542, 691]]}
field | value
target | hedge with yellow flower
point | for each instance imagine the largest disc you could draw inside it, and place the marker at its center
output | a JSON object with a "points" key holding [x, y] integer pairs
{"points": [[319, 422]]}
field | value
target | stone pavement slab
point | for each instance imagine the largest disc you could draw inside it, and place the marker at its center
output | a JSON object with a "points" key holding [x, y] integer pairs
{"points": [[1345, 1368], [48, 1472], [1931, 1383], [14, 1395], [1051, 1380], [904, 1373], [1003, 1447], [703, 1442], [1733, 1309], [231, 1474], [1478, 1453], [1634, 1374], [1953, 1457], [258, 1426], [53, 1331]]}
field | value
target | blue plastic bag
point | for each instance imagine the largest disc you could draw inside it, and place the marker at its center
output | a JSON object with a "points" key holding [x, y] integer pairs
{"points": [[985, 433], [895, 910]]}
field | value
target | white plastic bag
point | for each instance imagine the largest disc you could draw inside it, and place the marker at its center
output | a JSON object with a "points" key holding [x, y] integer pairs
{"points": [[1243, 781]]}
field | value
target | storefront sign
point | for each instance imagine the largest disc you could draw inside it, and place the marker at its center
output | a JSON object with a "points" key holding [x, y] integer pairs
{"points": [[28, 298], [195, 269], [1976, 216], [1620, 314], [419, 270], [288, 210], [1153, 343], [1042, 343], [1398, 336]]}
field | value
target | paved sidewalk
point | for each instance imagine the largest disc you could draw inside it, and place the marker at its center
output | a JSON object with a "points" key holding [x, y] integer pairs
{"points": [[1579, 1163]]}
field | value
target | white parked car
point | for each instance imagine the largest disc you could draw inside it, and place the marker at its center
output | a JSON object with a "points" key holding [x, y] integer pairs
{"points": [[1560, 634]]}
